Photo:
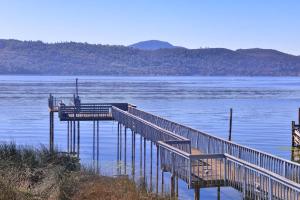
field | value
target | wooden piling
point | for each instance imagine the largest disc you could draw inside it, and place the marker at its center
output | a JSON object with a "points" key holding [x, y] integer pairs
{"points": [[162, 182], [78, 138], [132, 156], [94, 127], [293, 138], [134, 145], [230, 125], [51, 135], [125, 149], [151, 149], [71, 136], [172, 186], [298, 116], [74, 136], [145, 159], [141, 156], [118, 143], [177, 191], [97, 141], [68, 137], [197, 193], [97, 150], [157, 164]]}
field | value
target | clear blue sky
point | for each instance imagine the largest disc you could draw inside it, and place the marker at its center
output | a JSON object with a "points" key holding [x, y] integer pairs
{"points": [[191, 23]]}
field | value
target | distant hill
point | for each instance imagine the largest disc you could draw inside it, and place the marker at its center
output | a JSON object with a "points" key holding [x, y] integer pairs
{"points": [[152, 45], [70, 58]]}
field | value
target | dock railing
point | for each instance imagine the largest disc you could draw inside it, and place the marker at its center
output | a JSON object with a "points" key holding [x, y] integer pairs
{"points": [[209, 144], [253, 181], [147, 130], [84, 111], [55, 102], [89, 111]]}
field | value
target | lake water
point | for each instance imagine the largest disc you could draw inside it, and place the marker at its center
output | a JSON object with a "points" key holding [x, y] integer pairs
{"points": [[263, 108]]}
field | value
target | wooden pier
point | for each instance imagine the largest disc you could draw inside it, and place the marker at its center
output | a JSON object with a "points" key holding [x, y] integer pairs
{"points": [[198, 158]]}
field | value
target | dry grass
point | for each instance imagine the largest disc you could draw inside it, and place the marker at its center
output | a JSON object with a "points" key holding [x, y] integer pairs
{"points": [[33, 174], [27, 173], [109, 188]]}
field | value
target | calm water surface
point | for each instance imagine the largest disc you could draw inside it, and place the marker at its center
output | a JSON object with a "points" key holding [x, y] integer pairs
{"points": [[263, 110]]}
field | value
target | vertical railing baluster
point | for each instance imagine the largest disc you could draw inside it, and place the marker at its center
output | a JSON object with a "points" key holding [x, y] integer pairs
{"points": [[270, 189]]}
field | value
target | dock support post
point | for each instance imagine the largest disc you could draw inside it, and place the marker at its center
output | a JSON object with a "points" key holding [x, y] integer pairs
{"points": [[151, 149], [78, 138], [51, 136], [177, 191], [97, 147], [71, 136], [172, 186], [118, 144], [219, 193], [157, 164], [299, 116], [293, 129], [134, 142], [132, 154], [97, 140], [197, 193], [230, 125], [125, 149], [74, 136], [162, 182], [94, 127], [68, 137], [145, 160], [141, 156]]}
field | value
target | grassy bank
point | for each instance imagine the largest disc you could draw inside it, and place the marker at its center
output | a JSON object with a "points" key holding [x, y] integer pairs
{"points": [[29, 173]]}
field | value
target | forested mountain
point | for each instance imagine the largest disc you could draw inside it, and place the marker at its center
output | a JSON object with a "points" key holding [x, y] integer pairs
{"points": [[28, 57], [152, 45]]}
